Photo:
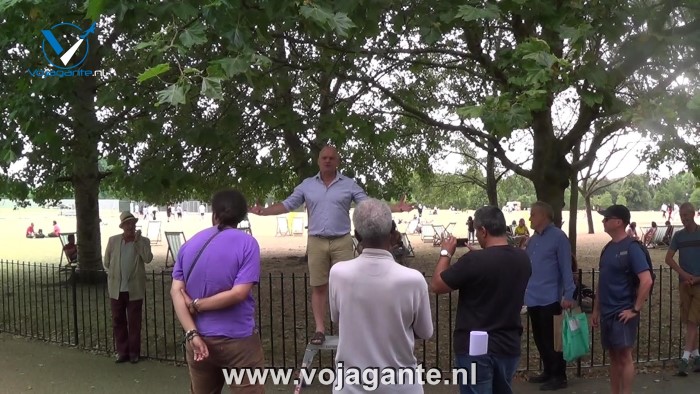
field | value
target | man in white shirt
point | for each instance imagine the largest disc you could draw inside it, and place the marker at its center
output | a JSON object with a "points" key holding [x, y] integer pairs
{"points": [[380, 306]]}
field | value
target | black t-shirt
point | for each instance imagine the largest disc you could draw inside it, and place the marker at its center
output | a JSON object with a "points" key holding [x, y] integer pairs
{"points": [[491, 285]]}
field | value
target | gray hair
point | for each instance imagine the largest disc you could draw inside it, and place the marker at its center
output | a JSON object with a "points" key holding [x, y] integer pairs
{"points": [[544, 207], [372, 219], [491, 218]]}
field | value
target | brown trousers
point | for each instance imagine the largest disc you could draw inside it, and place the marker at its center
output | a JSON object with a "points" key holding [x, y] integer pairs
{"points": [[126, 325], [207, 376]]}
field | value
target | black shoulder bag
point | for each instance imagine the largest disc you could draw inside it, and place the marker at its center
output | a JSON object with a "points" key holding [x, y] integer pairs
{"points": [[189, 272]]}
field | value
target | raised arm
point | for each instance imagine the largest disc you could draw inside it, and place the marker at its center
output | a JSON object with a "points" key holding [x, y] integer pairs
{"points": [[143, 249], [292, 202]]}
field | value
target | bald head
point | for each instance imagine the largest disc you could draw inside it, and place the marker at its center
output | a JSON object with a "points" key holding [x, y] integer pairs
{"points": [[687, 214], [328, 160]]}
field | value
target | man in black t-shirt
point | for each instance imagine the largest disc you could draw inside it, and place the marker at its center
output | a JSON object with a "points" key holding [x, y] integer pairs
{"points": [[491, 284]]}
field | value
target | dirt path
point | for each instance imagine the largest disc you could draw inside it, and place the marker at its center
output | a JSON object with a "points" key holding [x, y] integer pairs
{"points": [[28, 366]]}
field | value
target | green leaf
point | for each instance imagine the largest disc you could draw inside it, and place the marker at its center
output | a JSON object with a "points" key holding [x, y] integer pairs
{"points": [[598, 77], [193, 35], [211, 87], [694, 103], [153, 71], [7, 156], [341, 23], [469, 13], [184, 11], [173, 94], [233, 66], [544, 59], [316, 14], [470, 112], [94, 9], [591, 98], [145, 44]]}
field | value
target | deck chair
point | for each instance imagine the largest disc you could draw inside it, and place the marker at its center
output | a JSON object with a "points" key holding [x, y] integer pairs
{"points": [[175, 240], [298, 226], [659, 236], [450, 227], [282, 226], [439, 232], [64, 241], [412, 226], [244, 225], [427, 233], [407, 245], [153, 232]]}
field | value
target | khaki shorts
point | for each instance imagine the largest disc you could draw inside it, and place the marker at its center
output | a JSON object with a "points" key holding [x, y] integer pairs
{"points": [[690, 303], [323, 253]]}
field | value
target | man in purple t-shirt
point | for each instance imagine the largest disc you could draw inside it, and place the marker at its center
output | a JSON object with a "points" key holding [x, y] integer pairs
{"points": [[212, 295]]}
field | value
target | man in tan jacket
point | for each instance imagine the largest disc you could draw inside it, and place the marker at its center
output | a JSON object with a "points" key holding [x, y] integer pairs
{"points": [[124, 261]]}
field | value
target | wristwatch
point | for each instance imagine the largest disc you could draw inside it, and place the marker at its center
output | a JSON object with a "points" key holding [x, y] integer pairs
{"points": [[445, 253]]}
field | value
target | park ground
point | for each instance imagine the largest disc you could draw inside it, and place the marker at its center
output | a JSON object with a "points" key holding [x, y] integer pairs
{"points": [[31, 366], [279, 254], [28, 366]]}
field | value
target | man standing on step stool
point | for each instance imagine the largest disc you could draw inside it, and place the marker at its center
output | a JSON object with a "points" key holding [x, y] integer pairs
{"points": [[328, 196]]}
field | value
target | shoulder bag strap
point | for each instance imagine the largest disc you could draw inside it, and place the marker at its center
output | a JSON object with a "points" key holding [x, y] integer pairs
{"points": [[189, 272]]}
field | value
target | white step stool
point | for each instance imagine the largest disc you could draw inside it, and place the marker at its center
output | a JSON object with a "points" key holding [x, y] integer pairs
{"points": [[331, 343]]}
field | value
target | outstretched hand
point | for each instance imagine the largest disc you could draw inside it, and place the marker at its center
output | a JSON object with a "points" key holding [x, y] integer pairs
{"points": [[255, 209]]}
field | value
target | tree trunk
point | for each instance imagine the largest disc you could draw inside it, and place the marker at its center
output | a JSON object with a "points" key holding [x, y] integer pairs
{"points": [[86, 176], [573, 207], [589, 215], [491, 183], [550, 175]]}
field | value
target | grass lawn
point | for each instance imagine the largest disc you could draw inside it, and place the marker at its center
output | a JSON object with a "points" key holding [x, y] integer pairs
{"points": [[36, 302]]}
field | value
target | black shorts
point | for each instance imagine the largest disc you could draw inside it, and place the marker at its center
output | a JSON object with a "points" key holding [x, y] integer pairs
{"points": [[615, 334]]}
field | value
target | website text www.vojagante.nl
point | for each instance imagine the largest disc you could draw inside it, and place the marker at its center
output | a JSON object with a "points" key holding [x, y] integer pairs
{"points": [[369, 378]]}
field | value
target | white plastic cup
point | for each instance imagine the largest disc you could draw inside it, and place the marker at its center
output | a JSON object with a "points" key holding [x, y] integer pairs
{"points": [[478, 343]]}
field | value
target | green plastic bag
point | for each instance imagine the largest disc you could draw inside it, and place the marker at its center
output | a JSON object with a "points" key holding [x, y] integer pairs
{"points": [[575, 336]]}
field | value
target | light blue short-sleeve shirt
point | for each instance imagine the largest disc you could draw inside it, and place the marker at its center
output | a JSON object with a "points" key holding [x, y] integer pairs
{"points": [[688, 246], [328, 207]]}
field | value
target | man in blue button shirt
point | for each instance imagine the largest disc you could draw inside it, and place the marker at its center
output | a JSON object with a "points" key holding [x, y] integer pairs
{"points": [[328, 196], [551, 288]]}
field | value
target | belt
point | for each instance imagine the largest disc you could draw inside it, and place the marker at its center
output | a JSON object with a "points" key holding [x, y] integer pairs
{"points": [[329, 236]]}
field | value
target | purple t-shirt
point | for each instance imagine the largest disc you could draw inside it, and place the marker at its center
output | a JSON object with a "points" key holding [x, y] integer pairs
{"points": [[231, 258]]}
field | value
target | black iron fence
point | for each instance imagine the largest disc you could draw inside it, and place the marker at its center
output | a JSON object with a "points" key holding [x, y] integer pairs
{"points": [[42, 302]]}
